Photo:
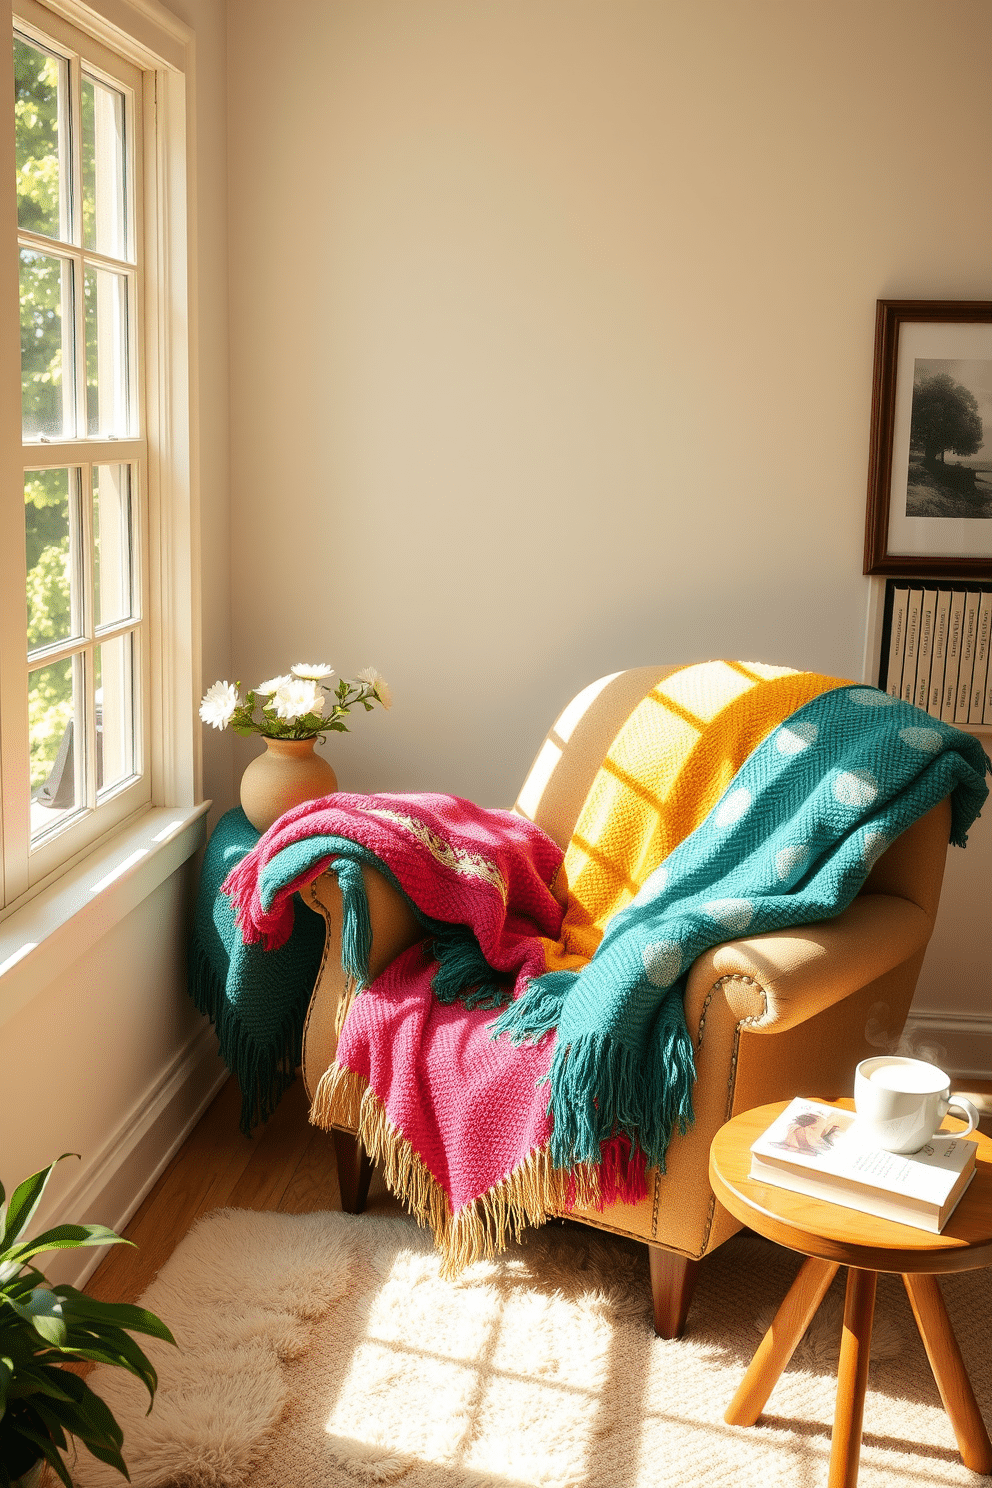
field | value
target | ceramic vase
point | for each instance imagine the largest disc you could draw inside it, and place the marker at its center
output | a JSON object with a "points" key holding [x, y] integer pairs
{"points": [[288, 773]]}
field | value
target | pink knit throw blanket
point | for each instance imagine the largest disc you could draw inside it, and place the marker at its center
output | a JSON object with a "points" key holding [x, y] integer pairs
{"points": [[457, 1118]]}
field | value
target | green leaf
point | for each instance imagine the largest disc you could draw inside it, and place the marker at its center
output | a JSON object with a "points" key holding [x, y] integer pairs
{"points": [[119, 1314], [126, 1357], [63, 1237], [43, 1311], [51, 1423], [24, 1202], [38, 1379], [84, 1414], [49, 1451], [21, 1285]]}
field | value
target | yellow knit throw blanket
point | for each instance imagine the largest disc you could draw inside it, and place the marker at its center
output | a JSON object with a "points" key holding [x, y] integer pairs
{"points": [[664, 772]]}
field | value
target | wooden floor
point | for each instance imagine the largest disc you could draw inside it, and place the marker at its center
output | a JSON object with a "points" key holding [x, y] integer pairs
{"points": [[287, 1166]]}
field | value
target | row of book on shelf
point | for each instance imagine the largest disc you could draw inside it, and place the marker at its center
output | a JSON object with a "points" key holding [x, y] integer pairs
{"points": [[939, 643], [816, 1149]]}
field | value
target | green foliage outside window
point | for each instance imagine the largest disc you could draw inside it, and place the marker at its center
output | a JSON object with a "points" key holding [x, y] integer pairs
{"points": [[46, 528]]}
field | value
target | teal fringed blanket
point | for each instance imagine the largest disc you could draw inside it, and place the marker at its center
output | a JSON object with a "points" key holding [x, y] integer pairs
{"points": [[790, 843], [256, 1000]]}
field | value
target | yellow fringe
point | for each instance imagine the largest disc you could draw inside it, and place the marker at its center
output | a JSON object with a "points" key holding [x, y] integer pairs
{"points": [[529, 1195]]}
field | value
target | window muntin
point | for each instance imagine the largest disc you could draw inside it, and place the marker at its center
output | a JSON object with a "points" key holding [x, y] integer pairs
{"points": [[84, 761]]}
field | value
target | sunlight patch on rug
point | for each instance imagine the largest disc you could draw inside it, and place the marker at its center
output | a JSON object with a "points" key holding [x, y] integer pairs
{"points": [[326, 1351]]}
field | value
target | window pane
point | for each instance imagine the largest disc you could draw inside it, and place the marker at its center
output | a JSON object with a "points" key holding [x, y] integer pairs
{"points": [[50, 527], [106, 352], [46, 319], [103, 168], [112, 537], [54, 722], [114, 712], [36, 111]]}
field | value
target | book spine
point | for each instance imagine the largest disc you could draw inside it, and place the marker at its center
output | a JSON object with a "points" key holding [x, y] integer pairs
{"points": [[908, 691], [939, 663], [815, 1187], [954, 629], [969, 635], [983, 645], [897, 642], [928, 611]]}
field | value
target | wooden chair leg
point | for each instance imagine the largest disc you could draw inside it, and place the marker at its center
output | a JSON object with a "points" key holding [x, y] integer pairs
{"points": [[673, 1281], [354, 1171]]}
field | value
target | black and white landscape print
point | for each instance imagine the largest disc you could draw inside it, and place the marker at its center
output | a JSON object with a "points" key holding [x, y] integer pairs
{"points": [[950, 451]]}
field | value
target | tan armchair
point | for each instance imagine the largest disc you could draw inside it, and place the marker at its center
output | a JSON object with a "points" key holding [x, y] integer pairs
{"points": [[776, 1015]]}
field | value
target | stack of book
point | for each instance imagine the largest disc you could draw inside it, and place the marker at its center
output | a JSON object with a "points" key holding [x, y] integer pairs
{"points": [[937, 656], [817, 1149]]}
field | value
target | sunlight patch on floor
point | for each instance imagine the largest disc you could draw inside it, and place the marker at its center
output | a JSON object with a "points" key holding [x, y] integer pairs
{"points": [[486, 1384]]}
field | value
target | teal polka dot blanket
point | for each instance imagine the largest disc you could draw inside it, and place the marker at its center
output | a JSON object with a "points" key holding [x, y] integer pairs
{"points": [[790, 842]]}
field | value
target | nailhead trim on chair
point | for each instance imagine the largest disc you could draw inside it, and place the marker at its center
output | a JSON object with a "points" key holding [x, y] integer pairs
{"points": [[754, 1018]]}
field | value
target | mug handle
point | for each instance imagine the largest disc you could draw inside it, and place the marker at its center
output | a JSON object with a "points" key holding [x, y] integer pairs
{"points": [[962, 1107]]}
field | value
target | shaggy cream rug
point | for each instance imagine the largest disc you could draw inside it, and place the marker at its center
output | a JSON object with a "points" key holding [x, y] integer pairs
{"points": [[324, 1351]]}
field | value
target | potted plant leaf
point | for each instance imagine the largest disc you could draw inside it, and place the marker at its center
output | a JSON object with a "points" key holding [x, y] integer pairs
{"points": [[42, 1329]]}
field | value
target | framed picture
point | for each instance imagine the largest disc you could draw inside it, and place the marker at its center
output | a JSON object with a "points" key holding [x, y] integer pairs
{"points": [[930, 464]]}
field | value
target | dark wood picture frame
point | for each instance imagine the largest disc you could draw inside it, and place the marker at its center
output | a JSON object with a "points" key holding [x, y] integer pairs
{"points": [[881, 549]]}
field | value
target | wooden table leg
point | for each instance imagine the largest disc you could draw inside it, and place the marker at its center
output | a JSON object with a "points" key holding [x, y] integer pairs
{"points": [[949, 1371], [779, 1343], [852, 1378]]}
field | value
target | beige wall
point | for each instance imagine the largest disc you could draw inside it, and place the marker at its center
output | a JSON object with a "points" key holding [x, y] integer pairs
{"points": [[210, 373], [552, 347]]}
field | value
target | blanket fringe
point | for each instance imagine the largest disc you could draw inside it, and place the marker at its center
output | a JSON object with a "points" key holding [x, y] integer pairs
{"points": [[356, 926], [529, 1195], [263, 1071]]}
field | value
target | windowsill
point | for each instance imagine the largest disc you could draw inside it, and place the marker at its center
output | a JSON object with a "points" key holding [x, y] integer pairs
{"points": [[40, 941]]}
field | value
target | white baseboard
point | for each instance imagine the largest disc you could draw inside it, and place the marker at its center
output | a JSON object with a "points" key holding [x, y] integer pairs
{"points": [[114, 1182], [961, 1043]]}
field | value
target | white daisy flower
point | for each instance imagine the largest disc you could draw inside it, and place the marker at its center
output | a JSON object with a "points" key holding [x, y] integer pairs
{"points": [[376, 683], [219, 703], [312, 671], [296, 697], [266, 689]]}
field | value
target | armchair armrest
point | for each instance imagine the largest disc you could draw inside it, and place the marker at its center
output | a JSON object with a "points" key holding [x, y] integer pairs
{"points": [[394, 928], [774, 982], [841, 969]]}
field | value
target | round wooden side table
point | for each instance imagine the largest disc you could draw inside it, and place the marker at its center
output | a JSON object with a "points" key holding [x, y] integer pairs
{"points": [[831, 1237]]}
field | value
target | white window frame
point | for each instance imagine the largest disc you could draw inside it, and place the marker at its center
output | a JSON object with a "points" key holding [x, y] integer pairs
{"points": [[81, 887], [30, 861]]}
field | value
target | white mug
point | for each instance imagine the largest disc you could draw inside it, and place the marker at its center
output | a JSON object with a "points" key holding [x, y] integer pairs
{"points": [[901, 1103]]}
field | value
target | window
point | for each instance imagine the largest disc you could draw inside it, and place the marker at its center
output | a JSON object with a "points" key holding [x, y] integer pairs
{"points": [[89, 625]]}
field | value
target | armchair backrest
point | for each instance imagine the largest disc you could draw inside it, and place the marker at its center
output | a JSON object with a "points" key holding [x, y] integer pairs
{"points": [[575, 746]]}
